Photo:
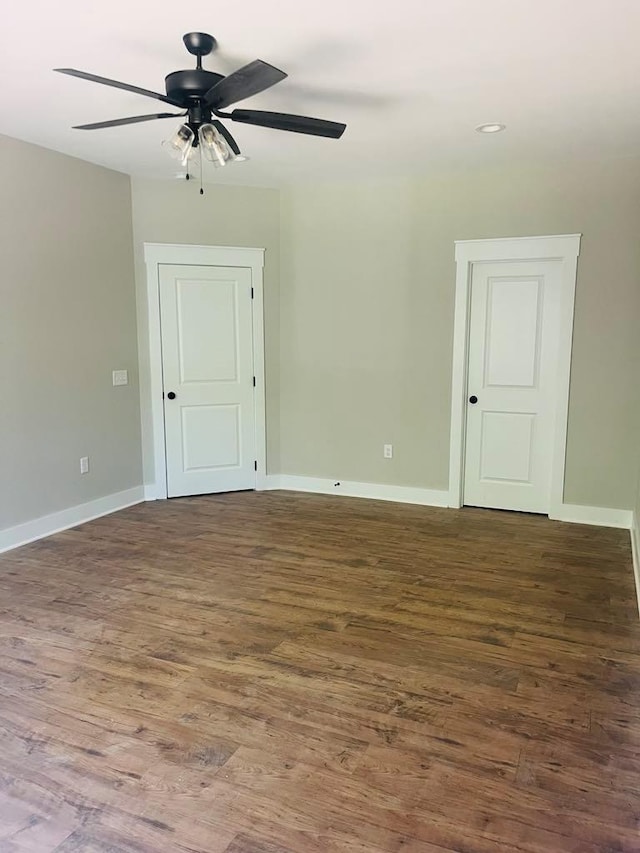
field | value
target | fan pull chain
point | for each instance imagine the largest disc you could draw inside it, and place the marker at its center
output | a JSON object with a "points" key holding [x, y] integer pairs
{"points": [[200, 158]]}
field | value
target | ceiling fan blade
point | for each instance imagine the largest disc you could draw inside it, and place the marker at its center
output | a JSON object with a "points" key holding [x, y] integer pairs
{"points": [[116, 122], [84, 75], [246, 81], [296, 124]]}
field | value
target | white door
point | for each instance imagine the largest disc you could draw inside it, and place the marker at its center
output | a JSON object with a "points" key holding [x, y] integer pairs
{"points": [[511, 392], [207, 363]]}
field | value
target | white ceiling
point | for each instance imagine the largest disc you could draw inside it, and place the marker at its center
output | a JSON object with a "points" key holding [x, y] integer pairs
{"points": [[411, 78]]}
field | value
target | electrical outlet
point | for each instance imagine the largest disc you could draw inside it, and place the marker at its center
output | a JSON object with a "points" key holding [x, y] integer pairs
{"points": [[387, 451], [84, 464], [120, 377]]}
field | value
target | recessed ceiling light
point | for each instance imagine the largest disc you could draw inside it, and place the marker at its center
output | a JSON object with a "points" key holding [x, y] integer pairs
{"points": [[492, 127]]}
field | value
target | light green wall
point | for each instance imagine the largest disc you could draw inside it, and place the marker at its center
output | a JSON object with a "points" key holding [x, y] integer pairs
{"points": [[358, 340], [67, 320], [636, 509], [174, 212], [367, 297]]}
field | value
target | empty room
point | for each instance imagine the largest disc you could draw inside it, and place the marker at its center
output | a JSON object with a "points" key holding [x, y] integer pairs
{"points": [[320, 432]]}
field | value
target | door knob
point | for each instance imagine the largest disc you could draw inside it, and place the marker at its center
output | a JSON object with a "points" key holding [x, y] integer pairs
{"points": [[171, 395], [473, 399]]}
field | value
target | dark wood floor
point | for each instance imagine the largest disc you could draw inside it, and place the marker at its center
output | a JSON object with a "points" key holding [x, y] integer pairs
{"points": [[281, 673]]}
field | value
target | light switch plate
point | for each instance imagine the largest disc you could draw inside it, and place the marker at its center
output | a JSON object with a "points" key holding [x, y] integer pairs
{"points": [[120, 377]]}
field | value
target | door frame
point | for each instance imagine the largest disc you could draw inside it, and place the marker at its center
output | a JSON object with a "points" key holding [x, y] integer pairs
{"points": [[564, 248], [175, 254]]}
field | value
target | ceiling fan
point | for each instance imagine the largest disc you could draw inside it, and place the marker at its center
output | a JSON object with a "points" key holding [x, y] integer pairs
{"points": [[204, 94]]}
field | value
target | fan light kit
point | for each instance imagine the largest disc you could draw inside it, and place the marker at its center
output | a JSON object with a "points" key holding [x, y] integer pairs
{"points": [[203, 95], [492, 127]]}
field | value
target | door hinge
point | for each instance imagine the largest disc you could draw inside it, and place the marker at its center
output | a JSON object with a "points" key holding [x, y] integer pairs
{"points": [[252, 293], [254, 381], [255, 465]]}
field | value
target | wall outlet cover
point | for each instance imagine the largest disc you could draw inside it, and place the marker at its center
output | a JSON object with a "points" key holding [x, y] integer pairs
{"points": [[120, 377]]}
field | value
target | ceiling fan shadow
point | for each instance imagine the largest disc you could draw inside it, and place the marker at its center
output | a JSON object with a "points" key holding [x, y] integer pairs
{"points": [[310, 58], [323, 54], [335, 97]]}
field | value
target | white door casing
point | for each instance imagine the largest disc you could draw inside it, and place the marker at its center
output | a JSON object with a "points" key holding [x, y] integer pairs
{"points": [[563, 250], [207, 363], [157, 255], [513, 336]]}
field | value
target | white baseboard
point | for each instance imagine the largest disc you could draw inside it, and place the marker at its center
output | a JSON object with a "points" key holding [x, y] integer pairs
{"points": [[352, 489], [596, 515], [267, 482], [635, 553], [599, 516], [150, 493], [21, 534]]}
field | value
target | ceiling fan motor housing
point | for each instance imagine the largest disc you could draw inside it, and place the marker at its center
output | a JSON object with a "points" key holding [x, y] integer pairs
{"points": [[189, 84]]}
